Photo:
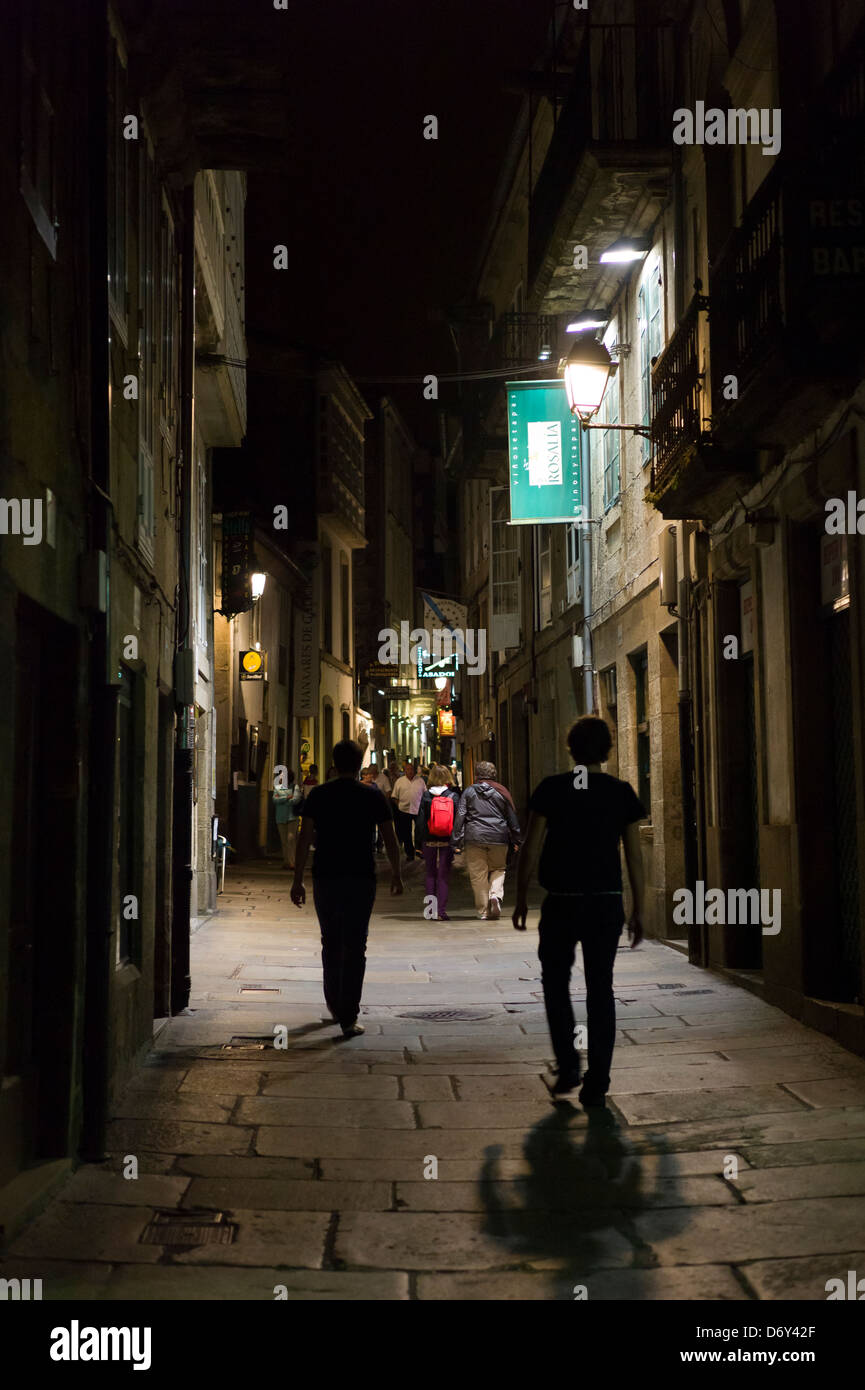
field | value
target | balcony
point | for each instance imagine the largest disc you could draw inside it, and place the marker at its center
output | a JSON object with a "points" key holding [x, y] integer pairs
{"points": [[610, 148], [787, 291], [687, 465], [519, 341]]}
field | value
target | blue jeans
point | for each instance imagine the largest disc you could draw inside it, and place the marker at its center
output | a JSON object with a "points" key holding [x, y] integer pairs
{"points": [[596, 920], [343, 906]]}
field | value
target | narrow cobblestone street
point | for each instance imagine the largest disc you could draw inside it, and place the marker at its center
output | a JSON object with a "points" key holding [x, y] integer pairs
{"points": [[320, 1152]]}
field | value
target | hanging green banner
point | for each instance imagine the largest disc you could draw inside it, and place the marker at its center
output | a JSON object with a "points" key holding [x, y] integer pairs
{"points": [[544, 451]]}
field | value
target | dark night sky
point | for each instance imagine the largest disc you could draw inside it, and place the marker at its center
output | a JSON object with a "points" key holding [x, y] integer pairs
{"points": [[386, 225]]}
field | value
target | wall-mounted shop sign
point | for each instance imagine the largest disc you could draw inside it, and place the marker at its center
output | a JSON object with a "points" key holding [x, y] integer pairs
{"points": [[428, 666], [236, 563], [397, 692], [447, 723], [544, 453], [252, 665]]}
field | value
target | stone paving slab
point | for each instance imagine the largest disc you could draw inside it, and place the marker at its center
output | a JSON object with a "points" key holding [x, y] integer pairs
{"points": [[344, 1114], [322, 1086], [92, 1184], [816, 1151], [295, 1239], [285, 1194], [811, 1180], [211, 1283], [530, 1194], [416, 1240], [102, 1232], [142, 1105], [728, 1235], [805, 1277], [708, 1283], [138, 1136], [842, 1091], [673, 1107], [61, 1279], [334, 1142]]}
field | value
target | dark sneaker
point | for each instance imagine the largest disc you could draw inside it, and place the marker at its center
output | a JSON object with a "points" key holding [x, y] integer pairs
{"points": [[563, 1088], [352, 1030], [443, 917], [592, 1099]]}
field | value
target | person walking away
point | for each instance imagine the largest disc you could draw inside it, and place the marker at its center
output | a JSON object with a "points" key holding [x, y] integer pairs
{"points": [[486, 824], [579, 827], [407, 793], [310, 780], [435, 823], [287, 802], [343, 814]]}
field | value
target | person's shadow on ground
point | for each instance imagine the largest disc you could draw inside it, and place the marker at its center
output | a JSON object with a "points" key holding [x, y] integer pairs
{"points": [[573, 1212]]}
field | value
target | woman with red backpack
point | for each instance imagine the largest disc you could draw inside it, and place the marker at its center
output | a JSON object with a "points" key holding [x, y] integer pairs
{"points": [[435, 823]]}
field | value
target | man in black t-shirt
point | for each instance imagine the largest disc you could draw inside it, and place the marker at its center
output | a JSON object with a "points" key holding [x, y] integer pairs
{"points": [[344, 816], [580, 816]]}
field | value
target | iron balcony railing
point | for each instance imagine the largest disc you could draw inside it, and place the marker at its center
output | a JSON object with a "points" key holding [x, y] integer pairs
{"points": [[523, 340], [748, 294], [677, 384]]}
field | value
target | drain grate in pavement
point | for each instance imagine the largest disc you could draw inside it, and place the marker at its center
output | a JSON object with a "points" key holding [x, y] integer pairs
{"points": [[671, 986], [446, 1015], [188, 1228], [683, 992], [258, 989], [242, 1044]]}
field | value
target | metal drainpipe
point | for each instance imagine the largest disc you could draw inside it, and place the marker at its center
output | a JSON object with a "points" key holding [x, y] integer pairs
{"points": [[103, 696], [686, 755], [586, 566], [181, 869]]}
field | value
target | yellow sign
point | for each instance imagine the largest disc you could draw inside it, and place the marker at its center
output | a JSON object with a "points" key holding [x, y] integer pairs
{"points": [[252, 665]]}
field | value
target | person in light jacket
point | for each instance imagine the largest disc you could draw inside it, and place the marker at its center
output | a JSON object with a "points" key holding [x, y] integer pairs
{"points": [[287, 803], [486, 824], [434, 828]]}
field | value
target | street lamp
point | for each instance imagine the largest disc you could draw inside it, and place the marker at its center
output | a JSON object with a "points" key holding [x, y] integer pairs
{"points": [[626, 250], [258, 582], [589, 319], [587, 371], [588, 367]]}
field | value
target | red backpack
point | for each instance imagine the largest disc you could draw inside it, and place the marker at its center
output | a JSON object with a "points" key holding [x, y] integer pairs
{"points": [[441, 817]]}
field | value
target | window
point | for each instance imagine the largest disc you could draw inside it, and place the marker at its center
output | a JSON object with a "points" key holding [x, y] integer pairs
{"points": [[148, 210], [345, 608], [610, 444], [545, 589], [282, 664], [128, 813], [504, 574], [346, 724], [118, 188], [168, 324], [327, 596], [327, 751], [38, 172], [650, 326], [640, 665], [573, 592]]}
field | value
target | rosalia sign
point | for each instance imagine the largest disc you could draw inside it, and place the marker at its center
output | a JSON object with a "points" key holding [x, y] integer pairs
{"points": [[544, 454]]}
